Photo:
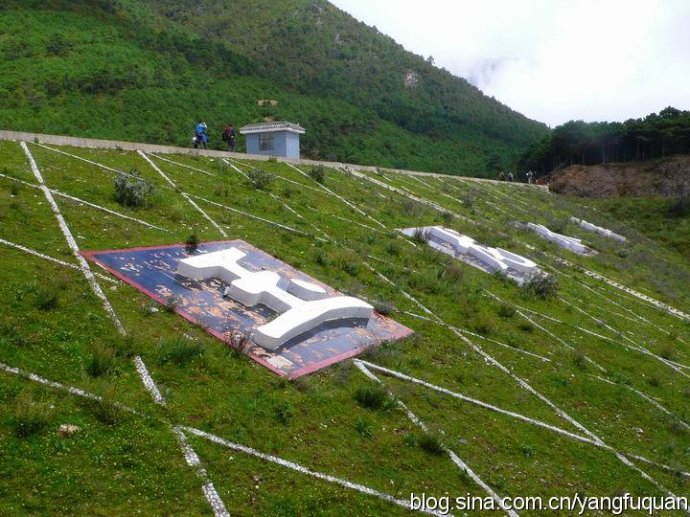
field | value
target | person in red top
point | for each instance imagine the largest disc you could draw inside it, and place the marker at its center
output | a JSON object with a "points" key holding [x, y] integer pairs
{"points": [[229, 137]]}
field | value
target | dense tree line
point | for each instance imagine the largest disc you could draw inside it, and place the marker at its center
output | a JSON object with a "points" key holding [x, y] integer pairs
{"points": [[590, 143]]}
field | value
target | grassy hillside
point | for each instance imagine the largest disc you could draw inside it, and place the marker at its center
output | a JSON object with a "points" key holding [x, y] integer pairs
{"points": [[542, 396], [149, 71]]}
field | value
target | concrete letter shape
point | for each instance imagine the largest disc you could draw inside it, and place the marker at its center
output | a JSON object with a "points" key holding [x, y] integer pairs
{"points": [[302, 307], [571, 243], [496, 259]]}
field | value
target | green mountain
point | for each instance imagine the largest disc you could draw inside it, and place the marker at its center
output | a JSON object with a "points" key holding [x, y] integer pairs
{"points": [[150, 70]]}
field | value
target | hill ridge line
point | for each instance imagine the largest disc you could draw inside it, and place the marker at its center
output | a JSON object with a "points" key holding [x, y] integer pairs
{"points": [[96, 143]]}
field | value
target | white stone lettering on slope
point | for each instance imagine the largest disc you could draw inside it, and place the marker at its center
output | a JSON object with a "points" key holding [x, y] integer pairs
{"points": [[571, 243], [597, 229], [493, 259], [302, 305]]}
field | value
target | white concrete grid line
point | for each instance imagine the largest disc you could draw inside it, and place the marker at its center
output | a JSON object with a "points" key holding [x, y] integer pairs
{"points": [[61, 387], [256, 217], [525, 385], [148, 381], [302, 218], [87, 203], [479, 403], [649, 399], [555, 337], [651, 301], [300, 468], [62, 263], [183, 194], [464, 467], [138, 362], [81, 393], [338, 196], [321, 192], [483, 338], [184, 166], [86, 270], [407, 378], [192, 459], [282, 178], [606, 297], [634, 346], [85, 160], [235, 168], [417, 199]]}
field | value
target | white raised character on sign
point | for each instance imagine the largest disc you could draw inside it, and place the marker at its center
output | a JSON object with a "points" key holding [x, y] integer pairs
{"points": [[597, 229], [496, 259], [302, 305], [571, 243]]}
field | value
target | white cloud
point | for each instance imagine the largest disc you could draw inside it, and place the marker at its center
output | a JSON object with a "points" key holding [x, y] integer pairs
{"points": [[553, 60]]}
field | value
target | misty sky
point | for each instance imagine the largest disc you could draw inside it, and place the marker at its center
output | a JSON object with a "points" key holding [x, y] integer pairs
{"points": [[552, 60]]}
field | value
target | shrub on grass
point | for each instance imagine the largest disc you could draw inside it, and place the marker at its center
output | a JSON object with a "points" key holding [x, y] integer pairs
{"points": [[31, 416], [100, 362], [526, 326], [46, 298], [106, 411], [260, 179], [364, 428], [373, 397], [192, 243], [446, 217], [179, 351], [540, 285], [283, 413], [318, 173], [132, 191], [431, 444], [580, 361], [347, 260], [393, 248], [506, 311]]}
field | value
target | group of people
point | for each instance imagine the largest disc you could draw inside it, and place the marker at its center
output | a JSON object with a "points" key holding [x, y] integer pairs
{"points": [[529, 176], [201, 136]]}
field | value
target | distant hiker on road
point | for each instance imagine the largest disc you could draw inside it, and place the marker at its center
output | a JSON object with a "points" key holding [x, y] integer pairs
{"points": [[501, 176], [510, 176], [200, 135], [529, 177], [228, 137]]}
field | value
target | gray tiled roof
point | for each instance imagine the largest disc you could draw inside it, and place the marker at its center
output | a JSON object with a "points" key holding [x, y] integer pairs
{"points": [[262, 127]]}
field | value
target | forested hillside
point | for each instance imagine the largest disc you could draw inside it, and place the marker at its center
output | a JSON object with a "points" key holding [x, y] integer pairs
{"points": [[148, 71], [581, 143]]}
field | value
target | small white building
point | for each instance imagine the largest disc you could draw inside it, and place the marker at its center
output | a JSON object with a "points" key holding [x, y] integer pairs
{"points": [[273, 138]]}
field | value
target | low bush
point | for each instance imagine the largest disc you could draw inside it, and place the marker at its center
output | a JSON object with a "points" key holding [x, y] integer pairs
{"points": [[132, 191], [179, 351], [260, 179], [431, 444], [100, 362], [540, 285], [364, 428], [318, 173], [31, 416], [373, 397]]}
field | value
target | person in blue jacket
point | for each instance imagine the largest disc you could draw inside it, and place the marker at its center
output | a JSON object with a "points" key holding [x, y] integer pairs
{"points": [[200, 135]]}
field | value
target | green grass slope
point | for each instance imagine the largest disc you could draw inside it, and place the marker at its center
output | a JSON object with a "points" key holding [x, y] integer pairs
{"points": [[607, 369], [150, 71]]}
